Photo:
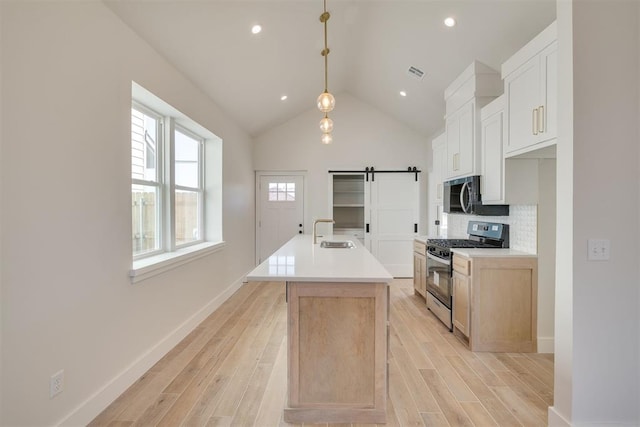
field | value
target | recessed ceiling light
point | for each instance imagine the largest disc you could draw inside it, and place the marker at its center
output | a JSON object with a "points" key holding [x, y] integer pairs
{"points": [[403, 93], [283, 98], [449, 22], [256, 29]]}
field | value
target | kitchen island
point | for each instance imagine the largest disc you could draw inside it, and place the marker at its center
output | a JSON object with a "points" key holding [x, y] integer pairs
{"points": [[337, 336]]}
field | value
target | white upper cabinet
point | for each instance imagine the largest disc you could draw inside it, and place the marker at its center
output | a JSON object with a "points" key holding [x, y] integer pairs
{"points": [[492, 122], [474, 88], [439, 146], [504, 180], [530, 87]]}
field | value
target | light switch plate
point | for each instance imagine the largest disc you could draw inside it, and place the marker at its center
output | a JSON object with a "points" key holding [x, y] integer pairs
{"points": [[598, 249]]}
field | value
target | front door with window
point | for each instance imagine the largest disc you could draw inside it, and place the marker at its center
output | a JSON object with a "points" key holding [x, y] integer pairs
{"points": [[280, 212]]}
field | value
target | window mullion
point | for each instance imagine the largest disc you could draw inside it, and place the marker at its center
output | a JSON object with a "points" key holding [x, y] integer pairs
{"points": [[169, 169]]}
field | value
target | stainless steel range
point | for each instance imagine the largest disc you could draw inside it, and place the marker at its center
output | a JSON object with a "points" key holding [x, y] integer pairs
{"points": [[439, 263]]}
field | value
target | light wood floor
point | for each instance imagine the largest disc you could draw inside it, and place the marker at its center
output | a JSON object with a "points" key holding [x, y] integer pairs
{"points": [[231, 371]]}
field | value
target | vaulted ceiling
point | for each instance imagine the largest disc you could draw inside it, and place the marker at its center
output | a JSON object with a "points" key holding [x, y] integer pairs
{"points": [[373, 43]]}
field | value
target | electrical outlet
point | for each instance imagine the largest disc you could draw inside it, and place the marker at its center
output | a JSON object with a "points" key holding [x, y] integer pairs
{"points": [[599, 249], [56, 383]]}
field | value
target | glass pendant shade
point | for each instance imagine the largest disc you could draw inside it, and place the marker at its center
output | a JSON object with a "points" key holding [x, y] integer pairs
{"points": [[326, 102], [326, 138], [326, 125]]}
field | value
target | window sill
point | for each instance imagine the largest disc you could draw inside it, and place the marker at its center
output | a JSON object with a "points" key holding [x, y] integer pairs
{"points": [[154, 265]]}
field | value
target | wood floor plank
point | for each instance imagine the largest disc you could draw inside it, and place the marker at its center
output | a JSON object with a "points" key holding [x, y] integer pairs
{"points": [[434, 419], [231, 370], [109, 414], [275, 394], [478, 414], [425, 402], [154, 413], [525, 393], [403, 403], [243, 365], [459, 389], [543, 390], [518, 408], [194, 392], [485, 395], [542, 374], [451, 408]]}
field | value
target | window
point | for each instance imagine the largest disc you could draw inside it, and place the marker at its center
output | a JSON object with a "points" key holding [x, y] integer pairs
{"points": [[188, 188], [146, 180], [176, 186], [282, 191]]}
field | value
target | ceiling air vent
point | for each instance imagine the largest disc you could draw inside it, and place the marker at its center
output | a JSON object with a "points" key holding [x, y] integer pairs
{"points": [[416, 73]]}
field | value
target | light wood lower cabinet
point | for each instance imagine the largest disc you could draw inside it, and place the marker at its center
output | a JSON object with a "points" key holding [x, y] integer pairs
{"points": [[495, 303], [419, 268], [337, 352], [461, 303]]}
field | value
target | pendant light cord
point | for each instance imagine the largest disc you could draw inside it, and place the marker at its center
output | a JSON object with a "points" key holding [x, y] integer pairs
{"points": [[324, 18]]}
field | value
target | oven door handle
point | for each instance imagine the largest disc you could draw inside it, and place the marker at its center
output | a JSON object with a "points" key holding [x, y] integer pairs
{"points": [[441, 260]]}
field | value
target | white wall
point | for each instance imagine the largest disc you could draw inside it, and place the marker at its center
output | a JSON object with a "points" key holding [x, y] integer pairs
{"points": [[546, 253], [67, 301], [362, 136], [597, 344]]}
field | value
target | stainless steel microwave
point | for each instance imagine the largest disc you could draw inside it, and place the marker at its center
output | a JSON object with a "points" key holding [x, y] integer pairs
{"points": [[462, 196]]}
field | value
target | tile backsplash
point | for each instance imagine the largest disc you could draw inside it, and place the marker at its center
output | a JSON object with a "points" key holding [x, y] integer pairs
{"points": [[522, 220]]}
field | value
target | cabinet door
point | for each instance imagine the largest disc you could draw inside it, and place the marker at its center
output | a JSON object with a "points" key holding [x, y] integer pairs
{"points": [[420, 274], [466, 121], [492, 188], [453, 146], [461, 299], [461, 137], [522, 89], [549, 84], [439, 165]]}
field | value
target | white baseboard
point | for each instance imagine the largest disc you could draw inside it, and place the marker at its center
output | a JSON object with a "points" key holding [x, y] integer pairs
{"points": [[555, 419], [95, 404], [546, 345]]}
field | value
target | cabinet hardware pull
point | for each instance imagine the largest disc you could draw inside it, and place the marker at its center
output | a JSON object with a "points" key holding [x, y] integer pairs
{"points": [[415, 228], [534, 121], [367, 228], [541, 119]]}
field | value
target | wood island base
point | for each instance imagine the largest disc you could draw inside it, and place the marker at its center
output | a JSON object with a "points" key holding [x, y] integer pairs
{"points": [[337, 352]]}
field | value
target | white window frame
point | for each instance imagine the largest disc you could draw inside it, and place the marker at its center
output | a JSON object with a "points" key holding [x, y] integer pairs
{"points": [[171, 256], [160, 178], [199, 190]]}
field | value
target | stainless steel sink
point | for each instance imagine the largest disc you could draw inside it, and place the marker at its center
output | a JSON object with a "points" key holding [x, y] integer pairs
{"points": [[347, 244]]}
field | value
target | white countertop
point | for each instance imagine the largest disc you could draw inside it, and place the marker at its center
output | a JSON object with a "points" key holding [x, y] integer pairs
{"points": [[300, 260], [475, 252]]}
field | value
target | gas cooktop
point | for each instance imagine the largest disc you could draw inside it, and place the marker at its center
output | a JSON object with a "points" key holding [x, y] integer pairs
{"points": [[457, 243], [481, 235]]}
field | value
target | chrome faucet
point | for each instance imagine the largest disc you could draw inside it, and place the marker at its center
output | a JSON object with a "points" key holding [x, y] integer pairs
{"points": [[314, 227]]}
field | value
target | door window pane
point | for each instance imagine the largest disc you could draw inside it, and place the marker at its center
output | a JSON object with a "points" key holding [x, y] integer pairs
{"points": [[282, 191]]}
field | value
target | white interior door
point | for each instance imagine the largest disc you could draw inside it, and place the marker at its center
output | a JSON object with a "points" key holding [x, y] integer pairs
{"points": [[280, 212], [394, 218]]}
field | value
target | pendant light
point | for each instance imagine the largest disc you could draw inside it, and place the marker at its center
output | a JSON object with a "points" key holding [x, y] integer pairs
{"points": [[326, 102]]}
